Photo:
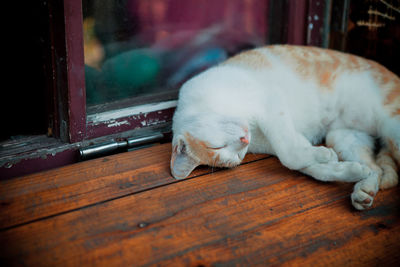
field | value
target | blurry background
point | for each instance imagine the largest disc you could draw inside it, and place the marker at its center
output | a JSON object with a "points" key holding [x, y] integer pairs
{"points": [[369, 28], [139, 47]]}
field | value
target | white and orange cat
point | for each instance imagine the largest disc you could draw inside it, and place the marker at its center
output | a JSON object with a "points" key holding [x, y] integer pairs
{"points": [[283, 100]]}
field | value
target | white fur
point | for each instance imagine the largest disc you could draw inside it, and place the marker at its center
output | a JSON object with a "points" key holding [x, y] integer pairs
{"points": [[287, 115]]}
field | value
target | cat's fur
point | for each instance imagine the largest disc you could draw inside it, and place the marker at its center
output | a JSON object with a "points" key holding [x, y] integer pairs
{"points": [[283, 100]]}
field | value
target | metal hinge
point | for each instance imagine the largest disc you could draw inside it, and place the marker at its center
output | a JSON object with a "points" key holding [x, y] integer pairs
{"points": [[114, 146]]}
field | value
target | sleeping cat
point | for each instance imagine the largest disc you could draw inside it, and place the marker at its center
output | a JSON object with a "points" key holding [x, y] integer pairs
{"points": [[284, 100]]}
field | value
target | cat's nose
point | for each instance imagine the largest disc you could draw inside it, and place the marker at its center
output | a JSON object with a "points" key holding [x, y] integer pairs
{"points": [[244, 140]]}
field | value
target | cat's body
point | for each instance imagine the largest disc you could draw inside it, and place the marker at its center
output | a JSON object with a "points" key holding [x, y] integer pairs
{"points": [[282, 100]]}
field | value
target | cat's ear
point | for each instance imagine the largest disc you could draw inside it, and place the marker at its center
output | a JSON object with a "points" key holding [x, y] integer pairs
{"points": [[182, 164]]}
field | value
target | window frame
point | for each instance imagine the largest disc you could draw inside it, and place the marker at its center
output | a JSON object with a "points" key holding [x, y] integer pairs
{"points": [[73, 127], [79, 125]]}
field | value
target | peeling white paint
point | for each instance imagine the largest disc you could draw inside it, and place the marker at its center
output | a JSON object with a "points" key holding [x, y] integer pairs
{"points": [[131, 111], [117, 123], [154, 122]]}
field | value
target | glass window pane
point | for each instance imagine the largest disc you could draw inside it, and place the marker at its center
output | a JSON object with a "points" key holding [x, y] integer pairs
{"points": [[148, 48]]}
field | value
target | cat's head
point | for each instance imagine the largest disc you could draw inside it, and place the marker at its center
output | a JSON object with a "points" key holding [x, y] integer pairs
{"points": [[208, 140]]}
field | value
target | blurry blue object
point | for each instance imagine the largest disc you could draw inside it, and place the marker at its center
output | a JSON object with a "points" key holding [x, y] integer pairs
{"points": [[131, 72], [197, 63], [127, 74]]}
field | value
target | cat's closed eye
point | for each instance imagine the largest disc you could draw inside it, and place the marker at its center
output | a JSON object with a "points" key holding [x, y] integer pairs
{"points": [[217, 147], [244, 140]]}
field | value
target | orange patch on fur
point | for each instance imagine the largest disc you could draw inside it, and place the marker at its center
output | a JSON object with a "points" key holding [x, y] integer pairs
{"points": [[391, 145], [253, 59], [312, 63], [394, 150], [382, 74], [173, 156], [217, 159], [389, 84], [384, 157], [323, 66], [325, 79], [353, 62], [393, 95], [199, 149], [367, 156]]}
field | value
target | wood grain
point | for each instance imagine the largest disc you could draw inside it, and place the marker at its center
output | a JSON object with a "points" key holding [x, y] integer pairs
{"points": [[75, 186], [259, 213]]}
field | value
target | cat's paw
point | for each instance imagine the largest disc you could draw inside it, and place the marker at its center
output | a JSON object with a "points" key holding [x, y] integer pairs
{"points": [[351, 171], [325, 155], [359, 171], [364, 192], [298, 159]]}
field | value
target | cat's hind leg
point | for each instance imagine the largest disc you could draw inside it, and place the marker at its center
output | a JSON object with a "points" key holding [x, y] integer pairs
{"points": [[390, 133], [390, 151], [386, 162], [356, 146], [357, 164]]}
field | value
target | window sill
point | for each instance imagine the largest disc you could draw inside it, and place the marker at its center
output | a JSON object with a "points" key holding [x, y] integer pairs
{"points": [[39, 153]]}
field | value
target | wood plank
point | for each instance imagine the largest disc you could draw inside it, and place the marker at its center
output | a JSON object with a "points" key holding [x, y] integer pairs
{"points": [[320, 236], [75, 186], [255, 214]]}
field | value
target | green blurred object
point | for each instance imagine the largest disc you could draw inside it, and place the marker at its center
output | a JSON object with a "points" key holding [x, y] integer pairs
{"points": [[130, 73], [92, 76]]}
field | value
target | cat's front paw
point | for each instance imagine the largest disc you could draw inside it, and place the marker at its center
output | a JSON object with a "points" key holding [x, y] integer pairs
{"points": [[360, 171], [298, 159], [325, 155], [364, 192]]}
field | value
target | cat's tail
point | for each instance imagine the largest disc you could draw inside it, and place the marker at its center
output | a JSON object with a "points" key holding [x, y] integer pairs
{"points": [[389, 154]]}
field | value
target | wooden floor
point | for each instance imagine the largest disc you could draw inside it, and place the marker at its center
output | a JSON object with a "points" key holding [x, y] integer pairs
{"points": [[127, 210]]}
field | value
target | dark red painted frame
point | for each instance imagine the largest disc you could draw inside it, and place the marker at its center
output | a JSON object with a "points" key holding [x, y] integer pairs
{"points": [[75, 70]]}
